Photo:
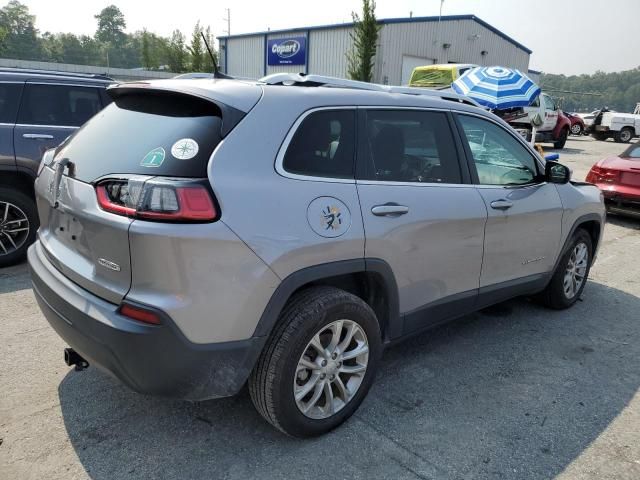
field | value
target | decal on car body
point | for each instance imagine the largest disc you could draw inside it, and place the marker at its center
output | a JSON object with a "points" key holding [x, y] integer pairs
{"points": [[328, 217]]}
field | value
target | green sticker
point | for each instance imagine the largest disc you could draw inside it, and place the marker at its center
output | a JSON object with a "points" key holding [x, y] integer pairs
{"points": [[154, 158]]}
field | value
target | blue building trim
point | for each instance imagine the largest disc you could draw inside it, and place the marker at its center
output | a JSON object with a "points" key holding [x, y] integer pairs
{"points": [[390, 21]]}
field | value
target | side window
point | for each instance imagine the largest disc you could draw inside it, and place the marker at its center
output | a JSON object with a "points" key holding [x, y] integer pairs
{"points": [[59, 105], [410, 146], [499, 158], [323, 145], [548, 102], [9, 98]]}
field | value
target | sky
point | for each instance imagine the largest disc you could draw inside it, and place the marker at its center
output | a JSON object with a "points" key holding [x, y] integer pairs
{"points": [[566, 36]]}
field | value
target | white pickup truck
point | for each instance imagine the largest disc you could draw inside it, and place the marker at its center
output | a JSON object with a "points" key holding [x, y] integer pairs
{"points": [[622, 127]]}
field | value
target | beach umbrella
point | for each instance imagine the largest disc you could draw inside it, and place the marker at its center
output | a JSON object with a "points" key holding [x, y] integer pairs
{"points": [[497, 88]]}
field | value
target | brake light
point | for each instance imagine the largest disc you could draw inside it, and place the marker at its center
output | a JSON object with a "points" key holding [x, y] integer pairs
{"points": [[603, 175], [140, 314], [160, 199]]}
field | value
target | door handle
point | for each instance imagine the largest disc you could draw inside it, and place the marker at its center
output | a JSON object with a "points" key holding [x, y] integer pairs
{"points": [[501, 204], [390, 209], [37, 136]]}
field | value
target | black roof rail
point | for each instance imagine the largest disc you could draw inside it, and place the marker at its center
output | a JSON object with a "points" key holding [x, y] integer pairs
{"points": [[55, 73]]}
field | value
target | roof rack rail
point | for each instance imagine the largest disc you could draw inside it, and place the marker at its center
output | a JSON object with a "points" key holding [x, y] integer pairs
{"points": [[299, 79], [57, 73]]}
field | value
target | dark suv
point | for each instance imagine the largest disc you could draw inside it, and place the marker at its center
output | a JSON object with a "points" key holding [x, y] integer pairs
{"points": [[38, 110]]}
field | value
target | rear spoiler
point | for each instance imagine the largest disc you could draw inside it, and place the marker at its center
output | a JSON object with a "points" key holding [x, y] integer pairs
{"points": [[230, 115]]}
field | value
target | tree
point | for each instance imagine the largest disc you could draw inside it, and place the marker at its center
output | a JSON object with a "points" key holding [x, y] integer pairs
{"points": [[177, 52], [111, 25], [147, 58], [196, 49], [21, 38], [365, 39]]}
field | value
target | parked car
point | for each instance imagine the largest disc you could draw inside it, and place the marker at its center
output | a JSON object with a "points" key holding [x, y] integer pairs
{"points": [[619, 179], [438, 76], [38, 110], [197, 236], [577, 123], [555, 125], [622, 127]]}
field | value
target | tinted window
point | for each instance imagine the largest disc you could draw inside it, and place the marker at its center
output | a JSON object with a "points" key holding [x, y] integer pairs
{"points": [[323, 145], [9, 98], [58, 105], [410, 146], [632, 152], [499, 158], [138, 133]]}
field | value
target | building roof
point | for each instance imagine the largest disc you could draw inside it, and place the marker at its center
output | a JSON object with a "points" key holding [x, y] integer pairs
{"points": [[388, 21]]}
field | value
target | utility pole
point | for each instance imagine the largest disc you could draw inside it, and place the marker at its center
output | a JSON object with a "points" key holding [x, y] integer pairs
{"points": [[228, 20], [439, 18]]}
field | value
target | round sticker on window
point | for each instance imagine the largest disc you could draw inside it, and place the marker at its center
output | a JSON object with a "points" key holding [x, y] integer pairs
{"points": [[185, 149]]}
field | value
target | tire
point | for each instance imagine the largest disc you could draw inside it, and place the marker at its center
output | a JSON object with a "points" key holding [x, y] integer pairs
{"points": [[576, 129], [21, 213], [278, 373], [601, 137], [624, 136], [559, 144], [555, 295]]}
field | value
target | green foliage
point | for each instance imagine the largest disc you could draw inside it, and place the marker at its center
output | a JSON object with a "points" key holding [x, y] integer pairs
{"points": [[21, 35], [19, 39], [111, 25], [365, 39], [619, 91], [207, 62]]}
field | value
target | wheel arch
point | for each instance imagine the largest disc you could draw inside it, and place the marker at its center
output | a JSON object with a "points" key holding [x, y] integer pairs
{"points": [[592, 223], [371, 279], [18, 180]]}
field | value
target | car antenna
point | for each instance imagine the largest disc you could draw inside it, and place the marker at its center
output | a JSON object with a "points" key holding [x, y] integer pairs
{"points": [[216, 71]]}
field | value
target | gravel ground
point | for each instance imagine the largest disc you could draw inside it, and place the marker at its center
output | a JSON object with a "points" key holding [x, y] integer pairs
{"points": [[515, 391]]}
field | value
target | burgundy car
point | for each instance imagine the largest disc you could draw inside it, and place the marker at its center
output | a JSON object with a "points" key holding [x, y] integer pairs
{"points": [[619, 179], [577, 124]]}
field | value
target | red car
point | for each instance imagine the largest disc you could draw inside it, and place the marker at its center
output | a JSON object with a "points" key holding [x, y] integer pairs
{"points": [[577, 124], [619, 179]]}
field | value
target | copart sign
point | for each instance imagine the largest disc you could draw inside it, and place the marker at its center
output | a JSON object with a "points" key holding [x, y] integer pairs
{"points": [[287, 51]]}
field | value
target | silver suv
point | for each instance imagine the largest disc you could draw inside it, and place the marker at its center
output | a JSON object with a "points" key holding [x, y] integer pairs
{"points": [[197, 235]]}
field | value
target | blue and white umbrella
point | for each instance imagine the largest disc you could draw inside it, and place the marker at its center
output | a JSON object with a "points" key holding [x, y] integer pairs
{"points": [[497, 87]]}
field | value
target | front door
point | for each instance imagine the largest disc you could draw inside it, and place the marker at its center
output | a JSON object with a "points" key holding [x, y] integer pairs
{"points": [[420, 213], [524, 212]]}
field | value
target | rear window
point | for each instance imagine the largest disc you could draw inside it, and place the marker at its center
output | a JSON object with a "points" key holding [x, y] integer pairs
{"points": [[148, 134]]}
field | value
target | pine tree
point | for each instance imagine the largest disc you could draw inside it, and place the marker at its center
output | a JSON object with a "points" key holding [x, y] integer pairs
{"points": [[196, 49], [365, 39]]}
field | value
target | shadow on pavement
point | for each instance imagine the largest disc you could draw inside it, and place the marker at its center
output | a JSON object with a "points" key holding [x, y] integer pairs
{"points": [[516, 391], [14, 278]]}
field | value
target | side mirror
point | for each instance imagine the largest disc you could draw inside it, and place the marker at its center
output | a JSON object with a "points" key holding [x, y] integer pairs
{"points": [[551, 157], [557, 173]]}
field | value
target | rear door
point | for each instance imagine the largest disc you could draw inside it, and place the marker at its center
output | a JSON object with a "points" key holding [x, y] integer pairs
{"points": [[48, 114], [421, 214], [9, 99], [524, 212]]}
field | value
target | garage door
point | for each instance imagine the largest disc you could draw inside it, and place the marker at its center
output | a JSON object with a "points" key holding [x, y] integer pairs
{"points": [[409, 63]]}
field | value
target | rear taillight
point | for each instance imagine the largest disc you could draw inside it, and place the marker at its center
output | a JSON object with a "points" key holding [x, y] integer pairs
{"points": [[160, 199], [139, 313], [603, 175]]}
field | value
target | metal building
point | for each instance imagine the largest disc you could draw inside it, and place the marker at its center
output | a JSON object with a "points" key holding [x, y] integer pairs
{"points": [[403, 43]]}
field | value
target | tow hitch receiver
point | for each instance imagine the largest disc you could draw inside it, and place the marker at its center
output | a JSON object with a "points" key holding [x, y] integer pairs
{"points": [[73, 359]]}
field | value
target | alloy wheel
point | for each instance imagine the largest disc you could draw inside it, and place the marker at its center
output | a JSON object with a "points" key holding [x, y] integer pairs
{"points": [[14, 228], [576, 129], [331, 369], [576, 271]]}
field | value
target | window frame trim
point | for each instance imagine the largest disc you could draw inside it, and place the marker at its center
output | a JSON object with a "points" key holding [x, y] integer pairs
{"points": [[471, 162], [279, 163]]}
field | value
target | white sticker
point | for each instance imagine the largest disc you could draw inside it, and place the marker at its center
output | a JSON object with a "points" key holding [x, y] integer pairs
{"points": [[185, 149]]}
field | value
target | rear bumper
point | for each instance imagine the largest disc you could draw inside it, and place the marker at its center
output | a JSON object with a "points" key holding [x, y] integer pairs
{"points": [[149, 359]]}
